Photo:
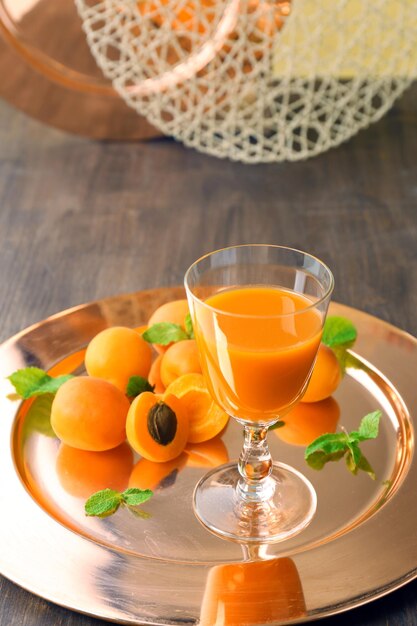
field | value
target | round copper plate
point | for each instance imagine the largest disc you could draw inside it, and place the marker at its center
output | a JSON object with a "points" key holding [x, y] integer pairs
{"points": [[49, 73], [164, 567]]}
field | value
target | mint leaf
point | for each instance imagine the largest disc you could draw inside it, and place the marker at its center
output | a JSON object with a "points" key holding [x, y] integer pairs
{"points": [[328, 443], [33, 381], [369, 426], [318, 459], [334, 446], [338, 331], [107, 501], [137, 385], [164, 333], [103, 503], [362, 464], [135, 496], [189, 326]]}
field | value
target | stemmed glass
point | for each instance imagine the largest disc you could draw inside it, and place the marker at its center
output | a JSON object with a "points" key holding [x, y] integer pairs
{"points": [[258, 313]]}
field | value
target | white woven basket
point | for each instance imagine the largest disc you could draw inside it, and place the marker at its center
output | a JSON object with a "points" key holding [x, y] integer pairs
{"points": [[256, 80]]}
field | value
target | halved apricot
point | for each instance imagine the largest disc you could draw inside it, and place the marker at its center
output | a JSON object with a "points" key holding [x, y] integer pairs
{"points": [[326, 376], [149, 475], [89, 413], [117, 353], [82, 472], [180, 358], [157, 428], [308, 420], [207, 419]]}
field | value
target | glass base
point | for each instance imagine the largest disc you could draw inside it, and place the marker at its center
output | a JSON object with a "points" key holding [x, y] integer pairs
{"points": [[222, 507]]}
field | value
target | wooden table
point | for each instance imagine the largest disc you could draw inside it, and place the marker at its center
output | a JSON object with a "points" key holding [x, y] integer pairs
{"points": [[81, 220]]}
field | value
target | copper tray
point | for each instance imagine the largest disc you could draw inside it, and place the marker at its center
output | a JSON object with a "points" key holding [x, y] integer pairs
{"points": [[167, 569]]}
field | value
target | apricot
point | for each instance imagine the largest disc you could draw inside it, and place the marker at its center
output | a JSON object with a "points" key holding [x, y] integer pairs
{"points": [[150, 475], [174, 312], [180, 358], [116, 354], [90, 414], [82, 472], [207, 454], [207, 419], [154, 376], [326, 376], [308, 420], [157, 428]]}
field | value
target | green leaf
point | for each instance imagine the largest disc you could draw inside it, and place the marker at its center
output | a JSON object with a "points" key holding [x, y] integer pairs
{"points": [[338, 331], [362, 464], [278, 424], [137, 385], [318, 459], [369, 426], [334, 446], [189, 326], [33, 381], [103, 503], [135, 496], [354, 452], [328, 444], [164, 333]]}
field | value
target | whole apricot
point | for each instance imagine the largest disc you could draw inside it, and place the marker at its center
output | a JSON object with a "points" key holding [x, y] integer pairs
{"points": [[117, 353], [174, 312], [90, 414], [180, 358], [326, 376], [154, 377]]}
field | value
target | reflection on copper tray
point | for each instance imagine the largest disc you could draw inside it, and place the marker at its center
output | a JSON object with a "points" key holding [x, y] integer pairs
{"points": [[165, 565]]}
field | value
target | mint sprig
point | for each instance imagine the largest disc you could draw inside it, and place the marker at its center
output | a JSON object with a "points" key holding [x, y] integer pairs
{"points": [[164, 333], [334, 446], [33, 381], [107, 501], [137, 385]]}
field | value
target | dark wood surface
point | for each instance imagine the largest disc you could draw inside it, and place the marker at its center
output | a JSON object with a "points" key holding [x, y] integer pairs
{"points": [[81, 220]]}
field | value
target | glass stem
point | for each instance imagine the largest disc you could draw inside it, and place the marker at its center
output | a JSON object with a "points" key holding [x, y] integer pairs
{"points": [[255, 466]]}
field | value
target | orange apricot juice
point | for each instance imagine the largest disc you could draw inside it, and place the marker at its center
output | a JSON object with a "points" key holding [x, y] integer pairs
{"points": [[257, 347]]}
